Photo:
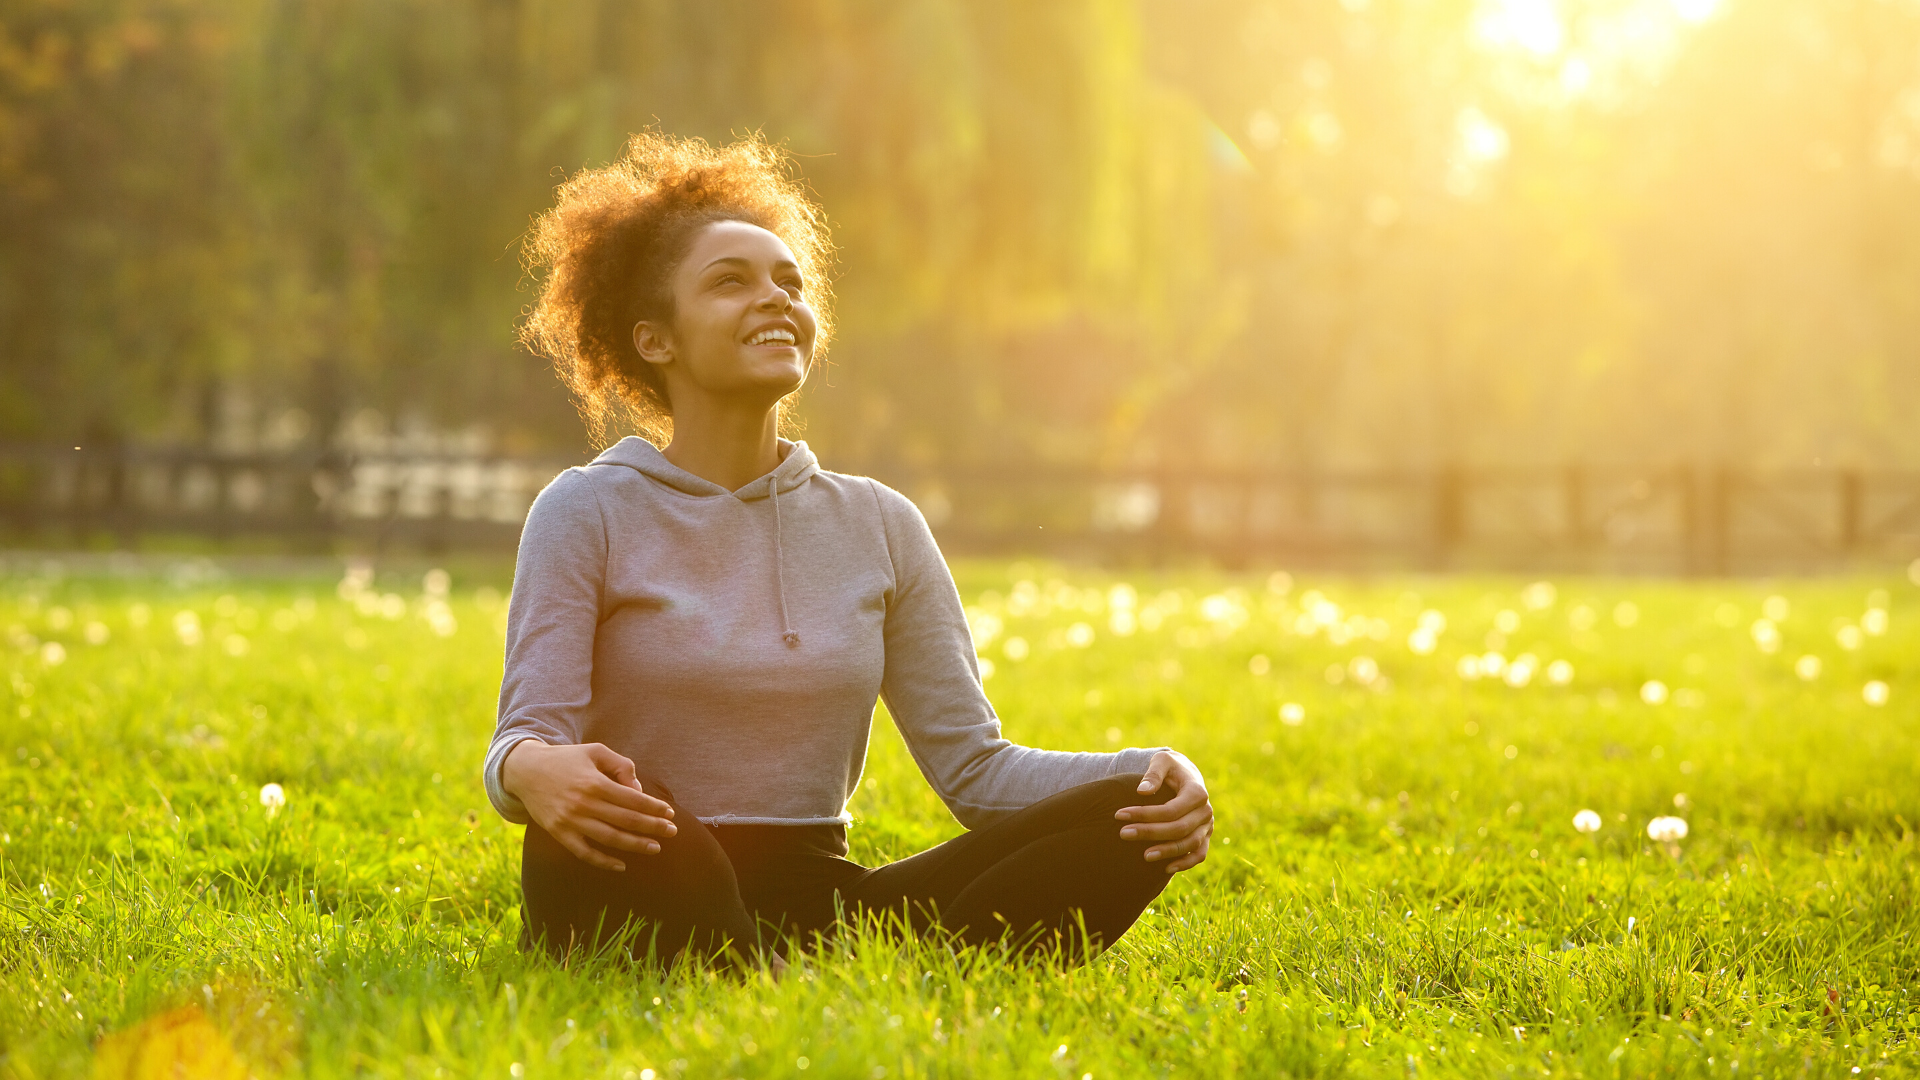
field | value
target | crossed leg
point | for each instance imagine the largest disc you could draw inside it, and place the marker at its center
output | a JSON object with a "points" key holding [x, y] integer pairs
{"points": [[1036, 878]]}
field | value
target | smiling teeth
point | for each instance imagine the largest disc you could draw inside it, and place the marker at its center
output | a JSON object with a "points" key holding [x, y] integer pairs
{"points": [[785, 337]]}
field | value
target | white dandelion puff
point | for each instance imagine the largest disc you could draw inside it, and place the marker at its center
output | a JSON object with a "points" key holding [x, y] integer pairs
{"points": [[1586, 821], [1653, 692], [273, 797], [1293, 714], [1875, 693], [1667, 830]]}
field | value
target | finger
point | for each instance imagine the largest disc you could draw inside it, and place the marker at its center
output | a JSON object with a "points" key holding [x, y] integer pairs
{"points": [[1188, 862], [1156, 773], [629, 821], [631, 798], [586, 853], [608, 836], [1184, 848], [1161, 831], [1179, 806], [614, 764]]}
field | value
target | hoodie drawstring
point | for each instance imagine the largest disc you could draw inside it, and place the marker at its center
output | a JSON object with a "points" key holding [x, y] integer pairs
{"points": [[787, 631]]}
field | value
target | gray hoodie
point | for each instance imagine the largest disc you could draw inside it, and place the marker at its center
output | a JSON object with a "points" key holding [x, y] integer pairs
{"points": [[733, 643]]}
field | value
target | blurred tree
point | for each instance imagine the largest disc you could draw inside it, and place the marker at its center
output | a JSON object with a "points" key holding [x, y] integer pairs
{"points": [[1283, 231]]}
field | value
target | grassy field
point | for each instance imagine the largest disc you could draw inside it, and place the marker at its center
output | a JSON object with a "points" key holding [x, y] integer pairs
{"points": [[1397, 887]]}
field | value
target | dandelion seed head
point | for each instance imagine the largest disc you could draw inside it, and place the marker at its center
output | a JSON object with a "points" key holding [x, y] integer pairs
{"points": [[1293, 714], [1875, 693], [1364, 670], [1586, 821], [1653, 692], [273, 797], [1667, 830]]}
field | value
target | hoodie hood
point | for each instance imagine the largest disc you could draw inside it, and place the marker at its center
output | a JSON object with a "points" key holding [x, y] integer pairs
{"points": [[797, 465]]}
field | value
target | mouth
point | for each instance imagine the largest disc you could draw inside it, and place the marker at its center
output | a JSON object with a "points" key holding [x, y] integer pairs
{"points": [[778, 336]]}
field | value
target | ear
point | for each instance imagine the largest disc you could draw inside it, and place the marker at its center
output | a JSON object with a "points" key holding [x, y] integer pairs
{"points": [[652, 341]]}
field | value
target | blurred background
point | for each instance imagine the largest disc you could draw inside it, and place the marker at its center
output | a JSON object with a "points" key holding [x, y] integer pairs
{"points": [[1616, 283]]}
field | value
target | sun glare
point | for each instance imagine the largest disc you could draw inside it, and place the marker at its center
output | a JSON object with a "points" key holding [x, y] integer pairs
{"points": [[1696, 11], [1532, 25]]}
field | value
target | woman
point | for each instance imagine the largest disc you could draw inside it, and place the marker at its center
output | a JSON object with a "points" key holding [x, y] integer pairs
{"points": [[699, 633]]}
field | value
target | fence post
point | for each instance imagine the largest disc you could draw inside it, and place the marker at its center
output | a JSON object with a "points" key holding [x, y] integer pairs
{"points": [[1851, 499], [1449, 513], [1574, 490], [1720, 506], [1694, 544]]}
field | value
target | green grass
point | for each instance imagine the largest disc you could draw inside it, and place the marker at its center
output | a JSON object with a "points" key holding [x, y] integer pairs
{"points": [[1396, 888]]}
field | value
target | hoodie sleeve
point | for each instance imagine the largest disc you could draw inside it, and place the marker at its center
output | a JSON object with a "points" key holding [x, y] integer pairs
{"points": [[551, 623], [932, 689]]}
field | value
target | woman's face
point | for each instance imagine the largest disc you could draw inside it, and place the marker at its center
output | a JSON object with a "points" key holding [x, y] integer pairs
{"points": [[741, 325]]}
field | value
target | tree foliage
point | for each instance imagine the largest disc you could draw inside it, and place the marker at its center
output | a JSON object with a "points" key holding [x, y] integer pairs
{"points": [[1262, 231]]}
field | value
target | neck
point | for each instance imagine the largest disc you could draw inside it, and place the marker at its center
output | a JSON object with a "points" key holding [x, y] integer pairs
{"points": [[728, 445]]}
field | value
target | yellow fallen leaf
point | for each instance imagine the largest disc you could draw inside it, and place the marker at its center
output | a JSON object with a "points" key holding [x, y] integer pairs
{"points": [[178, 1045]]}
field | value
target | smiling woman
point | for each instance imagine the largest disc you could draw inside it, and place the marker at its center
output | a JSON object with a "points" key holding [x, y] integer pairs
{"points": [[609, 247], [699, 632]]}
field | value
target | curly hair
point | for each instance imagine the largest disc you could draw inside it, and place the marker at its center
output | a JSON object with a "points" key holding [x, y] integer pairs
{"points": [[604, 255]]}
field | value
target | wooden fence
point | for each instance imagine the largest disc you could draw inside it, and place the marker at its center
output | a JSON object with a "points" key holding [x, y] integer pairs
{"points": [[1668, 519]]}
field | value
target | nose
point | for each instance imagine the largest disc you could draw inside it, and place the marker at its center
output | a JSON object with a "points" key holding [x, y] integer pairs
{"points": [[777, 299]]}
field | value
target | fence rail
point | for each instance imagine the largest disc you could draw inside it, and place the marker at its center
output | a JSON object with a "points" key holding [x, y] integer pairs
{"points": [[1670, 519]]}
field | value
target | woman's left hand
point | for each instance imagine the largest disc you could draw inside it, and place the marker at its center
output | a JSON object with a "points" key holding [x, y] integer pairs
{"points": [[1182, 826]]}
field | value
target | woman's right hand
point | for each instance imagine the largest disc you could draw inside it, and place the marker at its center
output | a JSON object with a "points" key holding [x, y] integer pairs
{"points": [[586, 793]]}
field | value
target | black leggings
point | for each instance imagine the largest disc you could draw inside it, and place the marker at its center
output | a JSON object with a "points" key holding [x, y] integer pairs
{"points": [[1034, 879]]}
